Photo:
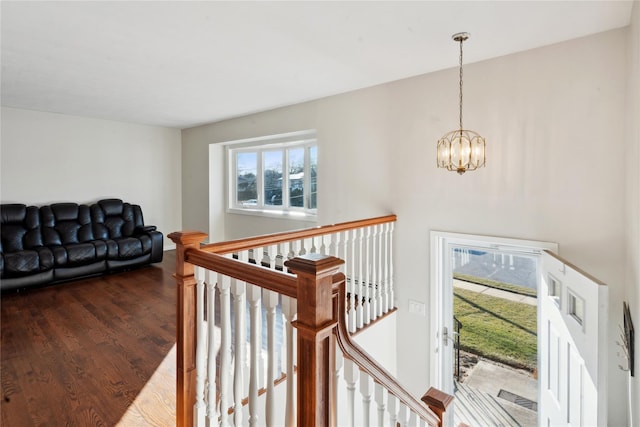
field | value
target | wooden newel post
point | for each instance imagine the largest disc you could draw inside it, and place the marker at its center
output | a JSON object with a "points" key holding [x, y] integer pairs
{"points": [[186, 326], [316, 346], [437, 401]]}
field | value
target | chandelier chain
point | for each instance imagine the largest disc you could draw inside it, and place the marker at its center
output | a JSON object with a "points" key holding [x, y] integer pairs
{"points": [[461, 41]]}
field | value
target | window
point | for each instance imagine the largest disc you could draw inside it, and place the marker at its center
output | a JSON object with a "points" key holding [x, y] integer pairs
{"points": [[555, 289], [576, 307], [274, 175]]}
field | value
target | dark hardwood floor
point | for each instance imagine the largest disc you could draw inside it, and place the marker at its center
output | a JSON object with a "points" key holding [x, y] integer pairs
{"points": [[94, 352]]}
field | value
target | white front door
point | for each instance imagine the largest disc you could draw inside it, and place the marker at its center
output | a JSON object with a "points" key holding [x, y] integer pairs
{"points": [[572, 356], [441, 307]]}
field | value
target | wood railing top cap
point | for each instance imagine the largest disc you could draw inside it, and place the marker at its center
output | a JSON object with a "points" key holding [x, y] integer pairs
{"points": [[314, 263], [437, 399], [188, 237]]}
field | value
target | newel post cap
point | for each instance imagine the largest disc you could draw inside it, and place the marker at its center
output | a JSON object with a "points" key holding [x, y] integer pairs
{"points": [[437, 399], [314, 264], [188, 237]]}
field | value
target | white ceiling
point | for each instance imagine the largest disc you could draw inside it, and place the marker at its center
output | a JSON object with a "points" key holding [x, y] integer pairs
{"points": [[181, 64]]}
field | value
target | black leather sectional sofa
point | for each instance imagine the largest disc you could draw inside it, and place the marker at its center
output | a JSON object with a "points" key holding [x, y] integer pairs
{"points": [[63, 241]]}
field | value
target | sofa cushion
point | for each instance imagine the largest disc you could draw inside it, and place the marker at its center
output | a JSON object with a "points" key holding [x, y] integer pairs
{"points": [[129, 247], [29, 261], [76, 254]]}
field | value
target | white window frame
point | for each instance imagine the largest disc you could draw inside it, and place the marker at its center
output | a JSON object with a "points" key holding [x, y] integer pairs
{"points": [[285, 142]]}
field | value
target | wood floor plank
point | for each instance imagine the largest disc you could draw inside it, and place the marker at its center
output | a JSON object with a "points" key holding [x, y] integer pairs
{"points": [[93, 352]]}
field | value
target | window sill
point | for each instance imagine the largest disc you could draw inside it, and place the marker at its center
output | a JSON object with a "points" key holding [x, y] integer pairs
{"points": [[268, 213]]}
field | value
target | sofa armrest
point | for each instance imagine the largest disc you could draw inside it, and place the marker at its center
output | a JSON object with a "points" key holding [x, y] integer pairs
{"points": [[157, 250], [145, 229]]}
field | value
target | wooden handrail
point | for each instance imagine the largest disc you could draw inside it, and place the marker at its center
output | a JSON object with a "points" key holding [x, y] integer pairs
{"points": [[273, 239], [362, 359], [277, 281]]}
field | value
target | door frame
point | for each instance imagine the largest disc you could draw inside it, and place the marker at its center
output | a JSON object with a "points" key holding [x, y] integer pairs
{"points": [[441, 291]]}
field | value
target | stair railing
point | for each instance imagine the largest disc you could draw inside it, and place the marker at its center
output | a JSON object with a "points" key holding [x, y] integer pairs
{"points": [[366, 246], [218, 372]]}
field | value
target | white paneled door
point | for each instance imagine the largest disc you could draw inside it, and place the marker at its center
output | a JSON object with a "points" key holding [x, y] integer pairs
{"points": [[572, 352]]}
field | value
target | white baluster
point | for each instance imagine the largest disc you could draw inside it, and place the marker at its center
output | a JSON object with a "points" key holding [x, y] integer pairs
{"points": [[292, 249], [392, 408], [270, 299], [213, 347], [336, 384], [238, 290], [225, 350], [385, 282], [380, 278], [380, 396], [302, 249], [361, 289], [255, 314], [280, 257], [403, 416], [413, 419], [374, 273], [334, 244], [270, 254], [344, 249], [289, 310], [390, 290], [314, 248], [351, 316], [323, 244], [351, 372], [262, 257], [366, 309], [366, 390], [201, 348]]}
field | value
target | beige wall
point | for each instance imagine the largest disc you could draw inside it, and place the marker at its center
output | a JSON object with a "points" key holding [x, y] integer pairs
{"points": [[632, 279], [48, 158], [554, 119]]}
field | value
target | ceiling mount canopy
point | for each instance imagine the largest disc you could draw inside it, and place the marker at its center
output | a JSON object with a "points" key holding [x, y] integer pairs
{"points": [[461, 150]]}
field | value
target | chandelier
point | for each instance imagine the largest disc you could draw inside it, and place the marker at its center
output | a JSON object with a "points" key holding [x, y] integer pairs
{"points": [[461, 150]]}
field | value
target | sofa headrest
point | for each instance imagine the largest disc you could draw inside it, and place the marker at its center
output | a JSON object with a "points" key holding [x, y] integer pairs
{"points": [[12, 213], [65, 211], [111, 206]]}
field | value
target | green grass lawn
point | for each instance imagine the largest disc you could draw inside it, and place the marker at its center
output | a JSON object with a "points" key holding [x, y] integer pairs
{"points": [[497, 329], [522, 290]]}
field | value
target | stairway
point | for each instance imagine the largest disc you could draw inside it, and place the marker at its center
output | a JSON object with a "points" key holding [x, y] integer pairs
{"points": [[475, 408]]}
